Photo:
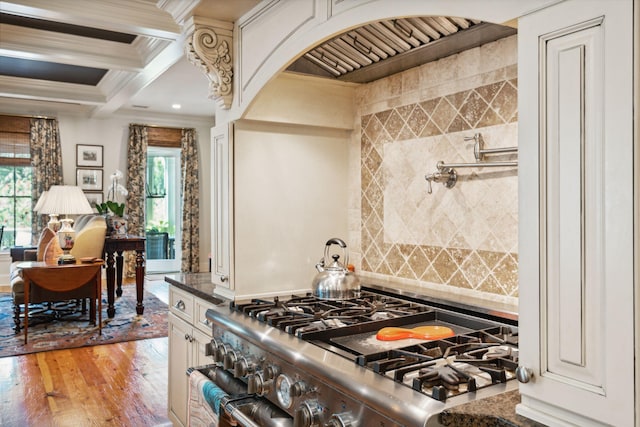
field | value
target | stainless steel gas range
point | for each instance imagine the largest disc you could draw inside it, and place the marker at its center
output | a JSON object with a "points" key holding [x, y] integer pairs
{"points": [[301, 361]]}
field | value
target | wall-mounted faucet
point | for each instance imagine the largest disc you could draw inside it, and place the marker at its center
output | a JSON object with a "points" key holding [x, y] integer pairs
{"points": [[447, 176], [446, 173], [479, 151]]}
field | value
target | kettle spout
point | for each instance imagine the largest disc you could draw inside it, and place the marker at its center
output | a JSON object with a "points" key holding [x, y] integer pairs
{"points": [[320, 265]]}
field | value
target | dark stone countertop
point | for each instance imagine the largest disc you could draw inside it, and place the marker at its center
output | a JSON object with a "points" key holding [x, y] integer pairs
{"points": [[495, 411], [198, 284]]}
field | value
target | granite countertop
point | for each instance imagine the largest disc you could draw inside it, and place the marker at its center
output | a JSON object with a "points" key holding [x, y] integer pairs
{"points": [[498, 411], [198, 284]]}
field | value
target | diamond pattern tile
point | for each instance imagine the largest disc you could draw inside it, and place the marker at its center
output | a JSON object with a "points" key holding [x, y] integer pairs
{"points": [[417, 120], [464, 237]]}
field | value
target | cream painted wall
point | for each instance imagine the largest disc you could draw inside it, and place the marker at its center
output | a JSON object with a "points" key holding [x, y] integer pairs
{"points": [[112, 133], [291, 156], [304, 100]]}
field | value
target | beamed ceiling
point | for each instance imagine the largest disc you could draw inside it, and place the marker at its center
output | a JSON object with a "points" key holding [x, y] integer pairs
{"points": [[121, 56]]}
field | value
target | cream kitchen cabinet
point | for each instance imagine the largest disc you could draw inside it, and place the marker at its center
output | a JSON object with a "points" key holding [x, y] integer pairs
{"points": [[279, 193], [189, 334], [577, 219], [221, 206]]}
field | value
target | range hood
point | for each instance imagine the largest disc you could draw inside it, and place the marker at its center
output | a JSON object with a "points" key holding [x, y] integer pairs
{"points": [[383, 48]]}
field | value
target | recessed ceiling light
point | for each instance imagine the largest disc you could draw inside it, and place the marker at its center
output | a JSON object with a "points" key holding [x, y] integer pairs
{"points": [[176, 106]]}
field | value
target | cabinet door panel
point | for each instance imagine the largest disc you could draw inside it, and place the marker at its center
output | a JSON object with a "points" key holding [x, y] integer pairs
{"points": [[180, 358], [221, 201], [576, 213], [572, 189]]}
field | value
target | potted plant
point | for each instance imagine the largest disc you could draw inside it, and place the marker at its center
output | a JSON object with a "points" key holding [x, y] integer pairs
{"points": [[111, 209]]}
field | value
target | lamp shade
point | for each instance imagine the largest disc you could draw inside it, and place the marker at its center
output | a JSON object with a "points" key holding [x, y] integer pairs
{"points": [[65, 200], [40, 202]]}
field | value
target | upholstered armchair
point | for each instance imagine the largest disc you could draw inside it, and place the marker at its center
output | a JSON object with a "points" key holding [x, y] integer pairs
{"points": [[90, 234]]}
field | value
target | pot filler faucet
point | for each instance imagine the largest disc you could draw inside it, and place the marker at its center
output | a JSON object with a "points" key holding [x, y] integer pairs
{"points": [[447, 175]]}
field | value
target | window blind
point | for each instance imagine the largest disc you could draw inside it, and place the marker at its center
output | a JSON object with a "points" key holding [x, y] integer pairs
{"points": [[14, 141], [164, 137]]}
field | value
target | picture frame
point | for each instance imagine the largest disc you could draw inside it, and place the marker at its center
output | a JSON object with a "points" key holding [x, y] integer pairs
{"points": [[94, 198], [89, 179], [89, 155]]}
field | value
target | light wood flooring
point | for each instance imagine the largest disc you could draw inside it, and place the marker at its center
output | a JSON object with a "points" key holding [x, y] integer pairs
{"points": [[123, 384]]}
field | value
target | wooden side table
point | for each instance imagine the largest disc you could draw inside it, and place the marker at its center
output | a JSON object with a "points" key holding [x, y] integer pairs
{"points": [[68, 281], [117, 245]]}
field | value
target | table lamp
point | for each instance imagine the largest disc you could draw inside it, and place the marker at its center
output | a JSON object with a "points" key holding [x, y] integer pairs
{"points": [[66, 200], [54, 223]]}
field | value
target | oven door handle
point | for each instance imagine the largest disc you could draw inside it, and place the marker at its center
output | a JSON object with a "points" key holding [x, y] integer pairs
{"points": [[228, 404]]}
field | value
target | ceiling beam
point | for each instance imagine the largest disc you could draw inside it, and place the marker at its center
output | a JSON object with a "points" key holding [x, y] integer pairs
{"points": [[41, 45], [127, 16], [44, 90], [127, 87]]}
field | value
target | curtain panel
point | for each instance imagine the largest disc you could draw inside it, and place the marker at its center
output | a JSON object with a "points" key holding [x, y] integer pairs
{"points": [[136, 177], [46, 159], [189, 167]]}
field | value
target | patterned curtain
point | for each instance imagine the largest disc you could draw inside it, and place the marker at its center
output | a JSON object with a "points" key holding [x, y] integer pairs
{"points": [[46, 159], [190, 207], [136, 176]]}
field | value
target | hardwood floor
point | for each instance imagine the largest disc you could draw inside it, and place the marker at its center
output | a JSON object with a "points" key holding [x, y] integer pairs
{"points": [[123, 384]]}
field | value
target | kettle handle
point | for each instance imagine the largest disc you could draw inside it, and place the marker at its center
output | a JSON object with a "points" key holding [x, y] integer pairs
{"points": [[336, 241], [339, 242]]}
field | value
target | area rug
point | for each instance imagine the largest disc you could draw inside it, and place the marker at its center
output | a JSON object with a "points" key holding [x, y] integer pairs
{"points": [[75, 330]]}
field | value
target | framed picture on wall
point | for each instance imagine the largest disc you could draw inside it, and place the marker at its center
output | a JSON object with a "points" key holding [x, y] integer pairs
{"points": [[89, 179], [89, 155], [94, 198]]}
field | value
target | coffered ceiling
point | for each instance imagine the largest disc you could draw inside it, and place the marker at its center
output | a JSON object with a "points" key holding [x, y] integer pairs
{"points": [[98, 58], [102, 57]]}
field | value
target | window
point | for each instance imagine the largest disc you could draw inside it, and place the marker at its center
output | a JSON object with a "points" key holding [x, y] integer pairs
{"points": [[15, 181], [15, 205]]}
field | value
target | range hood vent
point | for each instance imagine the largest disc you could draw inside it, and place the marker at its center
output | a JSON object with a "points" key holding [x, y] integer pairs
{"points": [[383, 48]]}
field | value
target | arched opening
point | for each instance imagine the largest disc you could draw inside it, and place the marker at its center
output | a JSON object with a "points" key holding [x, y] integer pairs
{"points": [[456, 78]]}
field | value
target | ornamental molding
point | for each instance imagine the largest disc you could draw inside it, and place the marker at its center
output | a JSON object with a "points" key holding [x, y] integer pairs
{"points": [[209, 47]]}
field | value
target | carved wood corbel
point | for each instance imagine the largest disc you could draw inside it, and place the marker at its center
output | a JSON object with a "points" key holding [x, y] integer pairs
{"points": [[210, 49]]}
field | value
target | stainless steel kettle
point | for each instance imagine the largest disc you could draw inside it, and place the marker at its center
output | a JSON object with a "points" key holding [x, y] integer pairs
{"points": [[334, 281]]}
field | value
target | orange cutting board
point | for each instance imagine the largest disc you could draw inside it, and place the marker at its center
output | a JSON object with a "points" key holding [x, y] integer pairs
{"points": [[421, 332]]}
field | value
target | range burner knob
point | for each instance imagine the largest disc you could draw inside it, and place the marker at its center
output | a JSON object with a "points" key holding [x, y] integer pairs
{"points": [[307, 414], [241, 367], [299, 388], [256, 384], [229, 359], [340, 420], [219, 353], [270, 372], [210, 348]]}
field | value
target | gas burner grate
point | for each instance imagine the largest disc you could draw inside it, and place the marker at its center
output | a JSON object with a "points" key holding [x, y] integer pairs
{"points": [[303, 314], [452, 366]]}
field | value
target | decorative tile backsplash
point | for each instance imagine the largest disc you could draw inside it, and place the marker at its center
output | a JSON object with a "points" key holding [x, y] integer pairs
{"points": [[465, 237]]}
